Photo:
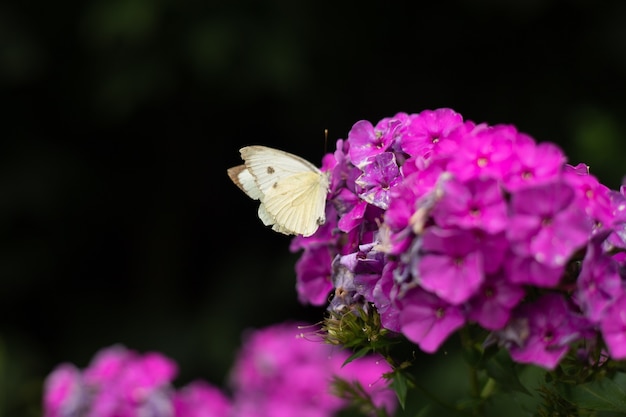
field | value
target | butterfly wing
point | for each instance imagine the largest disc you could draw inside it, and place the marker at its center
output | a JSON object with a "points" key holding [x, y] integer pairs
{"points": [[292, 190], [245, 181], [298, 203]]}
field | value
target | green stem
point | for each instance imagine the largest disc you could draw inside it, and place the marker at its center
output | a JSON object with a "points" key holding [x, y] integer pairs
{"points": [[466, 343]]}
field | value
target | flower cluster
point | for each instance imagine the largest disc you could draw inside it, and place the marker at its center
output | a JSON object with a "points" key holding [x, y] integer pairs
{"points": [[280, 373], [277, 373], [438, 222], [124, 383]]}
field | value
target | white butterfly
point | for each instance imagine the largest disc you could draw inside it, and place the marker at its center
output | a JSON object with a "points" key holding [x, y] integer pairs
{"points": [[292, 191]]}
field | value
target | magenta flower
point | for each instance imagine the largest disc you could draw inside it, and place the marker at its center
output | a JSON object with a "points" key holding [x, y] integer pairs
{"points": [[527, 270], [533, 163], [313, 271], [428, 133], [487, 152], [492, 304], [200, 399], [550, 327], [613, 327], [367, 141], [118, 383], [476, 203], [451, 265], [379, 176], [593, 198], [461, 221], [427, 320], [382, 298], [278, 372], [64, 392], [546, 224], [599, 283]]}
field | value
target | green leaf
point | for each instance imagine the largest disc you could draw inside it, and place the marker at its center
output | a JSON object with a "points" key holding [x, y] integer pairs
{"points": [[358, 354], [504, 371], [603, 395], [400, 385]]}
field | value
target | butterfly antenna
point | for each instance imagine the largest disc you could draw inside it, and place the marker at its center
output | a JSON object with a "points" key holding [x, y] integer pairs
{"points": [[325, 141]]}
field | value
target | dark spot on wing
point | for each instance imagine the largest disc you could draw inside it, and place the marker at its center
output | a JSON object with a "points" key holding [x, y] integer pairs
{"points": [[275, 185], [270, 170]]}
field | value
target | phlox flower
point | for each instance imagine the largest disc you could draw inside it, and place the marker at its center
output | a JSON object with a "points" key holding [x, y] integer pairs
{"points": [[428, 320], [613, 327], [379, 175], [533, 163], [313, 275], [617, 238], [117, 383], [492, 304], [439, 220], [428, 133], [476, 203], [546, 224], [201, 399], [64, 392], [599, 283], [451, 265], [593, 198], [486, 152], [367, 141], [383, 295], [550, 326]]}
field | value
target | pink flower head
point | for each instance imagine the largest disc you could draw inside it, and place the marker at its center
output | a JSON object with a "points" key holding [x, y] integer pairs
{"points": [[440, 221], [118, 383], [280, 373]]}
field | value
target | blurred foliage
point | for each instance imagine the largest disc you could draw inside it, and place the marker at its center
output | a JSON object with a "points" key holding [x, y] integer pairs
{"points": [[120, 117]]}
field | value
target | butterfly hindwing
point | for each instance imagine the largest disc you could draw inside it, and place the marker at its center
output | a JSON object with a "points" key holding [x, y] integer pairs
{"points": [[298, 202]]}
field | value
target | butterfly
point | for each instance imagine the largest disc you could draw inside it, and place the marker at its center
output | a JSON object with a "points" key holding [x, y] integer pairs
{"points": [[292, 190]]}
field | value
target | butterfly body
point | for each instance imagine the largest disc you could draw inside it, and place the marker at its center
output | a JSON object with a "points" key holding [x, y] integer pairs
{"points": [[292, 191]]}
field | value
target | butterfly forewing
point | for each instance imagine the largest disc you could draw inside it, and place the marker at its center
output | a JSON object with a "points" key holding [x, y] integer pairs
{"points": [[245, 181], [292, 191], [269, 166]]}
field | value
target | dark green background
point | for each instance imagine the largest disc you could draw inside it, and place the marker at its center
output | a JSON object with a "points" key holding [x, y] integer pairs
{"points": [[119, 119]]}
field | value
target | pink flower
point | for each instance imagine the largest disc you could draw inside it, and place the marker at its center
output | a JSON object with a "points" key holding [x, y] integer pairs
{"points": [[427, 320], [200, 399], [64, 392]]}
